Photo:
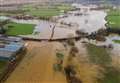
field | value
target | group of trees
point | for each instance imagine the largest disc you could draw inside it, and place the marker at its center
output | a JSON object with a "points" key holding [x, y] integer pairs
{"points": [[44, 17], [69, 68], [78, 69], [10, 12], [29, 17], [25, 17], [3, 28], [98, 35], [113, 30]]}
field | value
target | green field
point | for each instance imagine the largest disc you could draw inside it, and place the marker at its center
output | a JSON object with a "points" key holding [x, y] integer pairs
{"points": [[19, 29], [46, 11], [113, 18], [117, 41], [65, 7], [42, 11]]}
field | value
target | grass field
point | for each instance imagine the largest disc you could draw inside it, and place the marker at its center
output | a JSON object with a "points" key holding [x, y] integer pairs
{"points": [[65, 7], [113, 18], [19, 29], [46, 11], [117, 41], [43, 12]]}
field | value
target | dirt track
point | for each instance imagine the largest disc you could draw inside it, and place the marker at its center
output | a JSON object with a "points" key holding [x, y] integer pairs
{"points": [[37, 65]]}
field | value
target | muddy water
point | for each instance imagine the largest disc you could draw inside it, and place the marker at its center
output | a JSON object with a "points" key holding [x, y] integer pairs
{"points": [[37, 65], [91, 22]]}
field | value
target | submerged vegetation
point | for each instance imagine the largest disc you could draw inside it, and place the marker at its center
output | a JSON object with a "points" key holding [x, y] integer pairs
{"points": [[111, 75], [95, 67], [117, 41], [100, 56]]}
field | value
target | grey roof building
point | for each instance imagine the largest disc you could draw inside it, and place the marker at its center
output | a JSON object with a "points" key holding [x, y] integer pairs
{"points": [[9, 47]]}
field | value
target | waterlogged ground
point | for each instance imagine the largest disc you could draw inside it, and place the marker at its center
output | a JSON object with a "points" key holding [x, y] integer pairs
{"points": [[93, 63], [37, 65], [103, 58], [90, 22]]}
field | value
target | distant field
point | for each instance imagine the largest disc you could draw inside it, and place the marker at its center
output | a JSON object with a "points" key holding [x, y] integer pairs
{"points": [[19, 29], [117, 41], [46, 11], [113, 18], [43, 11]]}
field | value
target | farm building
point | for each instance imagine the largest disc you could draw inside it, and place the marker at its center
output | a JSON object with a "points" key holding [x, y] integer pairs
{"points": [[7, 51], [10, 54]]}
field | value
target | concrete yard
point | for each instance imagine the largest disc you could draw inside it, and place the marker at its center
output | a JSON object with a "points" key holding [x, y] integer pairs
{"points": [[37, 65]]}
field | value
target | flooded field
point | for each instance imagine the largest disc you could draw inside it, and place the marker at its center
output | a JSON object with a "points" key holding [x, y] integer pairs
{"points": [[89, 21], [37, 66], [90, 60]]}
